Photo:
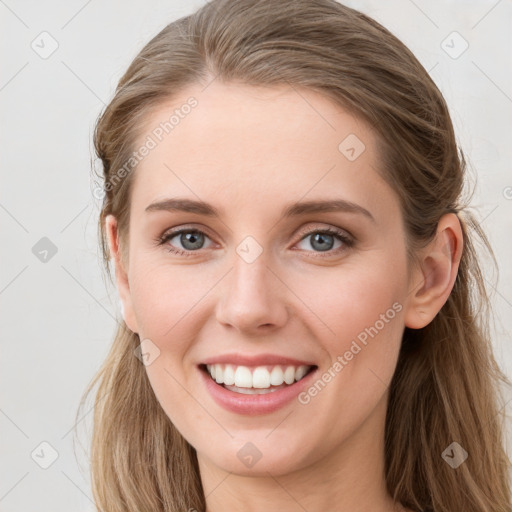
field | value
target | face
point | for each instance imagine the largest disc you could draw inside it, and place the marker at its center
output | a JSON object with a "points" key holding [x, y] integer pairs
{"points": [[271, 280]]}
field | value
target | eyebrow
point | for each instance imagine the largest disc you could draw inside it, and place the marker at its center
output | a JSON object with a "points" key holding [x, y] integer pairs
{"points": [[292, 210]]}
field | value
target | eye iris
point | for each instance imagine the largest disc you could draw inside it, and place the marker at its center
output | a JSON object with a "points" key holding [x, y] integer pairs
{"points": [[320, 237], [191, 237]]}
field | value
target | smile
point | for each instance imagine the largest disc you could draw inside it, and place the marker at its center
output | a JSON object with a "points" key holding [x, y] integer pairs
{"points": [[260, 379], [255, 390]]}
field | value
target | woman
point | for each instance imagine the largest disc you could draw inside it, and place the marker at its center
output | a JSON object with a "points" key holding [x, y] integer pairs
{"points": [[303, 322]]}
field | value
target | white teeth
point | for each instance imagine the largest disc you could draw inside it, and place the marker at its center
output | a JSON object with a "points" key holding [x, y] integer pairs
{"points": [[254, 391], [243, 377], [289, 375], [300, 372], [259, 378], [276, 376], [229, 374]]}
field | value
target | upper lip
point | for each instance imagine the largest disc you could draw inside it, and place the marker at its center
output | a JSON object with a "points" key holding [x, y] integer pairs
{"points": [[256, 360]]}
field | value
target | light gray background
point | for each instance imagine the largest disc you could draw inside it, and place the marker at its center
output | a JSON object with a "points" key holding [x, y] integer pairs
{"points": [[57, 318]]}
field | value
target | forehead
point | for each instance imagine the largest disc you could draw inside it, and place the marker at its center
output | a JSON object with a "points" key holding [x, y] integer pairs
{"points": [[255, 146]]}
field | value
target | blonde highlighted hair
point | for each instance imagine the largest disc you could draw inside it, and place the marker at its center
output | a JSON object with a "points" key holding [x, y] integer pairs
{"points": [[446, 385]]}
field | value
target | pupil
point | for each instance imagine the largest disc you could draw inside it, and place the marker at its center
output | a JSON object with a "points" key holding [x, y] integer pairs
{"points": [[192, 238], [320, 238]]}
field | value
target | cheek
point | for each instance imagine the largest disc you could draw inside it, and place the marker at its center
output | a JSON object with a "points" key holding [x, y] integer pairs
{"points": [[166, 301], [164, 295], [362, 307], [359, 311], [351, 297]]}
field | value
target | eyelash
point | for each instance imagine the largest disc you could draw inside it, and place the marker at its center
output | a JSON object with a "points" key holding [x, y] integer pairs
{"points": [[346, 240]]}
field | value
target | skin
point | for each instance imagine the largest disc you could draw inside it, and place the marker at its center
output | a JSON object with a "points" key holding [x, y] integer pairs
{"points": [[250, 152]]}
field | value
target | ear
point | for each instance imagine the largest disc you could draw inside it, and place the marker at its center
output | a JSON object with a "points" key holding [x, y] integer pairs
{"points": [[433, 282], [123, 285]]}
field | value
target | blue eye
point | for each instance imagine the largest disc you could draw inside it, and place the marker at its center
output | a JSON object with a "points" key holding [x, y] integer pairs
{"points": [[192, 240], [324, 239]]}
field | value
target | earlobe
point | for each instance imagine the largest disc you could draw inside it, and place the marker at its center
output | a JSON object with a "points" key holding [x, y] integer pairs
{"points": [[434, 280], [122, 282]]}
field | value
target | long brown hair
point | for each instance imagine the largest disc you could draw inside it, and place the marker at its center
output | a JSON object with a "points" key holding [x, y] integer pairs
{"points": [[446, 385]]}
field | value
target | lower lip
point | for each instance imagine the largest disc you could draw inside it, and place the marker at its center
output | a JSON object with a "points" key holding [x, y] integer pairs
{"points": [[253, 405]]}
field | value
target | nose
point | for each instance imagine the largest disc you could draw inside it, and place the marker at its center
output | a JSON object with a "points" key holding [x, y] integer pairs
{"points": [[253, 298]]}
